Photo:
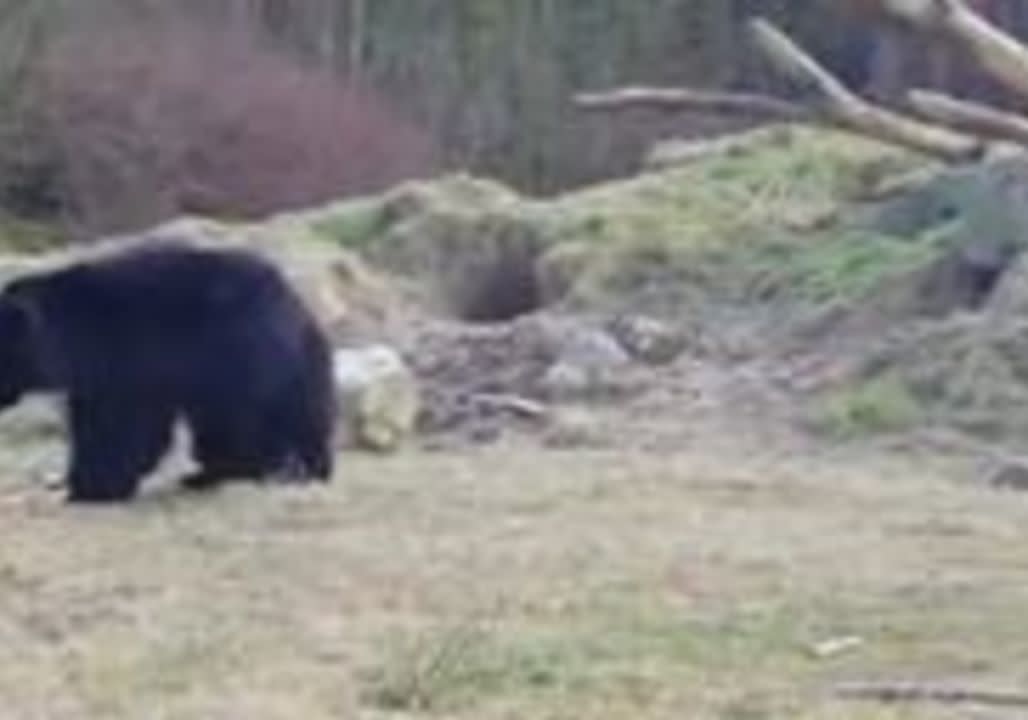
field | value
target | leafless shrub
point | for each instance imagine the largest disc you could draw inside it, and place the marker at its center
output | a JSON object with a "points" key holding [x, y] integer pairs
{"points": [[141, 122]]}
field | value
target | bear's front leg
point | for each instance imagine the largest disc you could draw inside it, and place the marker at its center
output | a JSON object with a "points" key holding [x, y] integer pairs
{"points": [[114, 442]]}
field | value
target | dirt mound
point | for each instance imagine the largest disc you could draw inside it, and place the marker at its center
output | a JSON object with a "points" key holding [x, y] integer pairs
{"points": [[466, 247], [478, 381], [791, 264], [459, 365], [464, 368], [663, 242]]}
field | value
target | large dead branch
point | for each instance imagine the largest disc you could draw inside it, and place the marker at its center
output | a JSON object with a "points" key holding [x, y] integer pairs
{"points": [[940, 126], [1000, 54], [833, 103], [825, 101], [969, 117], [675, 100]]}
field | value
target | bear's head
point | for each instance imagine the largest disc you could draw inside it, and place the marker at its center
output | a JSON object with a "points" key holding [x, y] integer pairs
{"points": [[20, 370]]}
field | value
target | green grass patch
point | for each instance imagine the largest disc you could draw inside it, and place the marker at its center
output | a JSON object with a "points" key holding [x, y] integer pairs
{"points": [[879, 405], [25, 236], [353, 224], [783, 178], [851, 265], [842, 265], [455, 666], [630, 651], [766, 219]]}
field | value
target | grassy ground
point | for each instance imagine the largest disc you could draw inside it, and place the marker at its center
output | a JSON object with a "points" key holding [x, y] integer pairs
{"points": [[514, 584]]}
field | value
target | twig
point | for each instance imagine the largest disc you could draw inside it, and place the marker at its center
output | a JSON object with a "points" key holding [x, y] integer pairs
{"points": [[687, 99], [521, 406], [888, 692], [970, 117]]}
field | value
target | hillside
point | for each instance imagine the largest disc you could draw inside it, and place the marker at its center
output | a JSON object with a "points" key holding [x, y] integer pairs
{"points": [[707, 443]]}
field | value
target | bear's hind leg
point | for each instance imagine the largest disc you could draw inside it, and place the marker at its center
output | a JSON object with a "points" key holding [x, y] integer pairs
{"points": [[226, 447], [301, 448], [115, 442], [305, 413]]}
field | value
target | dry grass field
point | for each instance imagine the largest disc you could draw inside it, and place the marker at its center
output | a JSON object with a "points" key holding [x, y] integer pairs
{"points": [[515, 583]]}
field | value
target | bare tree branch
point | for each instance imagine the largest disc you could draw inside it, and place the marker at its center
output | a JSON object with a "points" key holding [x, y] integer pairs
{"points": [[998, 53], [940, 126], [826, 101], [793, 63], [840, 107], [969, 117], [676, 100]]}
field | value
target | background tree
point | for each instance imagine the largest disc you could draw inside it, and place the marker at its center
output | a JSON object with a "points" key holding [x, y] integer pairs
{"points": [[489, 81]]}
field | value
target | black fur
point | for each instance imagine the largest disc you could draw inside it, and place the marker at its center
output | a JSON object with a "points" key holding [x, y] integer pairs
{"points": [[144, 336]]}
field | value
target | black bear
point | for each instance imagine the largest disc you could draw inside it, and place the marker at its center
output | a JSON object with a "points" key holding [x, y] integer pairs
{"points": [[141, 337]]}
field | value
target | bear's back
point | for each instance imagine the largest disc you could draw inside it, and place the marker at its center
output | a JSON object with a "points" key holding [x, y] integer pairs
{"points": [[160, 289]]}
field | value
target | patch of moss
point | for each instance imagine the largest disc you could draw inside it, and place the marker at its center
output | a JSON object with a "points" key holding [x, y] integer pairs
{"points": [[25, 236], [615, 651], [880, 405], [352, 224], [765, 217], [844, 265], [787, 178]]}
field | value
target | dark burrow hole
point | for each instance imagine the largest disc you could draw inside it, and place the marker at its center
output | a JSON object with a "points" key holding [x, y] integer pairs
{"points": [[504, 290]]}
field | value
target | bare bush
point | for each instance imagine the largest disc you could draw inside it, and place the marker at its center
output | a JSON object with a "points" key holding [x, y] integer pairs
{"points": [[139, 123]]}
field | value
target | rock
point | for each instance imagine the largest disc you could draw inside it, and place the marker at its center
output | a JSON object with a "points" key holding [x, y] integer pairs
{"points": [[1010, 475], [592, 349], [379, 397], [833, 647], [648, 339], [565, 380], [1010, 298], [571, 428], [986, 199], [588, 363]]}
